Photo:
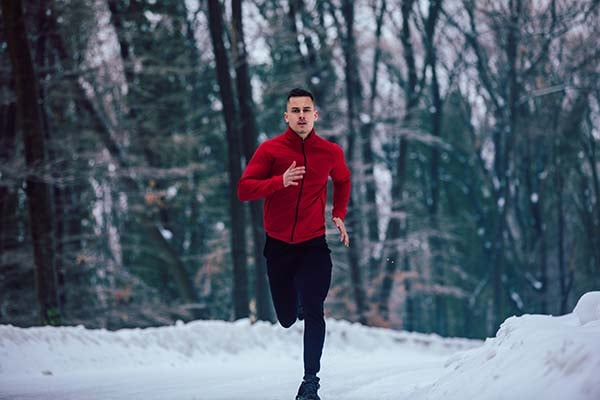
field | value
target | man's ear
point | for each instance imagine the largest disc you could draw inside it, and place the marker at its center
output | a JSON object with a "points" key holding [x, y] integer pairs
{"points": [[285, 117], [316, 115]]}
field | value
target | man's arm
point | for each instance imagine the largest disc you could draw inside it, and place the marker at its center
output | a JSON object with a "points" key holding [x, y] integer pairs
{"points": [[256, 183], [340, 175]]}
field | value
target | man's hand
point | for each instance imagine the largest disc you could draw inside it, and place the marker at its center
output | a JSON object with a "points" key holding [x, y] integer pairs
{"points": [[342, 229], [293, 174]]}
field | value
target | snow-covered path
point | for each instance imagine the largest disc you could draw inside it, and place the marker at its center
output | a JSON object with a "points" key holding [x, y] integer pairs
{"points": [[383, 376], [213, 360], [531, 357]]}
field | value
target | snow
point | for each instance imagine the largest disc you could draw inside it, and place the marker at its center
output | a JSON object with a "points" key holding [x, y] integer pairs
{"points": [[588, 308], [534, 198], [501, 202], [167, 234], [171, 192], [532, 356]]}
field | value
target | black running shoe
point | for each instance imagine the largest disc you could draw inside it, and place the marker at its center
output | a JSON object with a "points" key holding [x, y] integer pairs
{"points": [[308, 388]]}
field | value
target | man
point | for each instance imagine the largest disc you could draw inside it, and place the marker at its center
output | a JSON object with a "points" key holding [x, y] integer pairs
{"points": [[291, 171]]}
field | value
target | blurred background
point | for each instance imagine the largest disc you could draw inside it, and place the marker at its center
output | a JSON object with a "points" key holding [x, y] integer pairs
{"points": [[471, 128]]}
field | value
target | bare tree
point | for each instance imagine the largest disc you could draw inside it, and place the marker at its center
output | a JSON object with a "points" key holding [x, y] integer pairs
{"points": [[8, 196], [355, 222], [38, 196], [397, 228], [433, 200], [230, 114], [249, 133], [366, 132]]}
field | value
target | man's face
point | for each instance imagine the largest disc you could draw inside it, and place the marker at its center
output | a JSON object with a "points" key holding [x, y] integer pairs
{"points": [[301, 115]]}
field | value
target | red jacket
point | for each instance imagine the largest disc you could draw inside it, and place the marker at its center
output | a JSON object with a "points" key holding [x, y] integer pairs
{"points": [[295, 214]]}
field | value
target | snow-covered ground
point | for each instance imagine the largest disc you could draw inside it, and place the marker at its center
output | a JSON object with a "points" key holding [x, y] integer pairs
{"points": [[531, 357]]}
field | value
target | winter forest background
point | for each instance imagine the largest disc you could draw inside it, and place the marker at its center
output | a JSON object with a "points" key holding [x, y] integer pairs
{"points": [[471, 128]]}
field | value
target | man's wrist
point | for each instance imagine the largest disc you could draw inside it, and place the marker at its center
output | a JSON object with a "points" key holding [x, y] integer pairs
{"points": [[277, 182]]}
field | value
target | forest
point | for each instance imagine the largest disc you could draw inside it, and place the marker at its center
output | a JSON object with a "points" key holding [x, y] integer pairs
{"points": [[472, 130]]}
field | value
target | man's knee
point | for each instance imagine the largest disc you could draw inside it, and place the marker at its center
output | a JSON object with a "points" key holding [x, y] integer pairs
{"points": [[313, 309]]}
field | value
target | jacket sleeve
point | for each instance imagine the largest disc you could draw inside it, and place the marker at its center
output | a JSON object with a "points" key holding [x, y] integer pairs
{"points": [[256, 182], [340, 175]]}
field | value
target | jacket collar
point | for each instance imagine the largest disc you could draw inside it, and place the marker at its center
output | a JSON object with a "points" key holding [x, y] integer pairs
{"points": [[291, 135]]}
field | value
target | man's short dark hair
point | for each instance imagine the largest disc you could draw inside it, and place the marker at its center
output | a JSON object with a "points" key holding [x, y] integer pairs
{"points": [[298, 92]]}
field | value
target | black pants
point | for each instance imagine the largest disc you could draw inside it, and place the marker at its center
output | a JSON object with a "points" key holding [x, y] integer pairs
{"points": [[301, 272]]}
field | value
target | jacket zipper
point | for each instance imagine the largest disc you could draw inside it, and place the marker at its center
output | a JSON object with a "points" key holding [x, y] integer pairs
{"points": [[299, 195]]}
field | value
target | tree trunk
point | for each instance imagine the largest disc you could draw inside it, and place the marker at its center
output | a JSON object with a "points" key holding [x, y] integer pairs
{"points": [[38, 196], [124, 47], [594, 221], [441, 317], [8, 192], [372, 216], [538, 243], [571, 124], [249, 131], [238, 236], [58, 191], [355, 222], [397, 229], [506, 171], [292, 9], [560, 216], [507, 117]]}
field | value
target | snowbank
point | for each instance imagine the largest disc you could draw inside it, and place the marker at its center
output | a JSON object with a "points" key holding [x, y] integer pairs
{"points": [[531, 357], [48, 350]]}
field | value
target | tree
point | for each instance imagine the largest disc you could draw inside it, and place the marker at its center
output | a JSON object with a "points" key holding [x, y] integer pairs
{"points": [[230, 114], [355, 222], [249, 133], [397, 227], [434, 179], [38, 196]]}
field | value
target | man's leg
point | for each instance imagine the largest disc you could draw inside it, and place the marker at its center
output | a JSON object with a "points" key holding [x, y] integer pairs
{"points": [[281, 265], [314, 279]]}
